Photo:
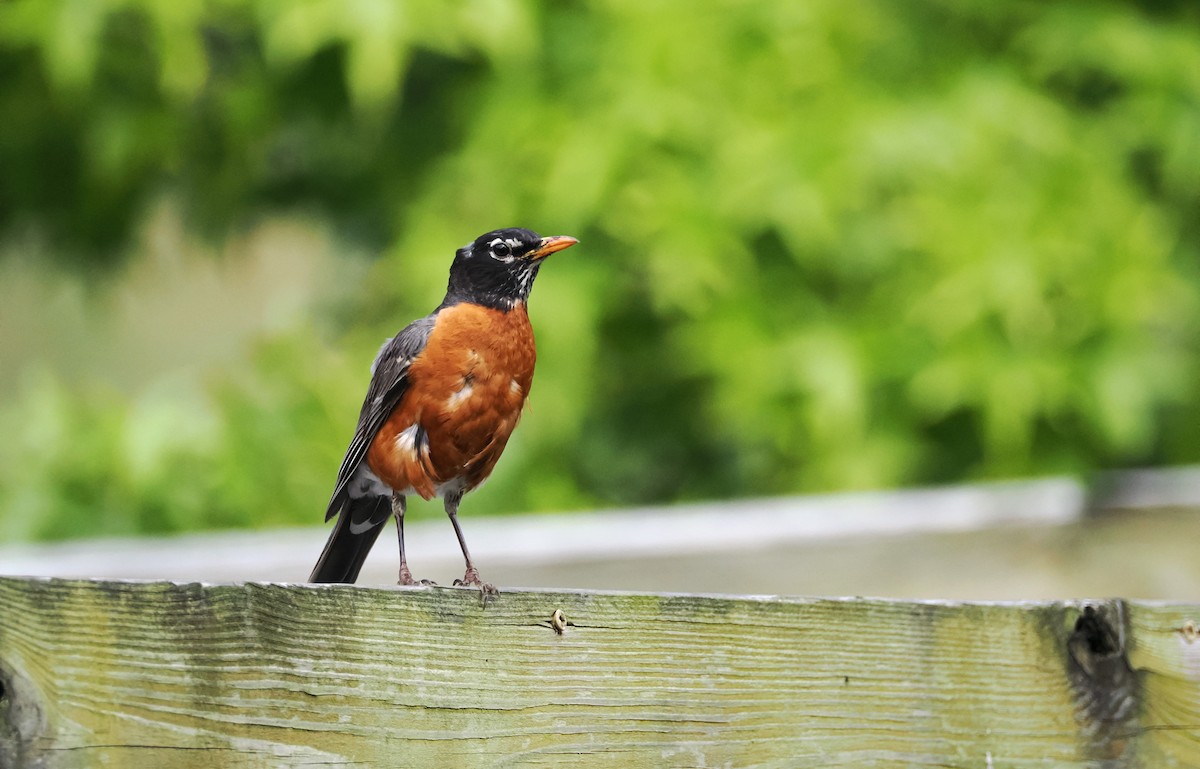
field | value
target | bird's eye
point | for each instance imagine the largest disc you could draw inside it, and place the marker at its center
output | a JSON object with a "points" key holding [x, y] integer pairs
{"points": [[500, 248]]}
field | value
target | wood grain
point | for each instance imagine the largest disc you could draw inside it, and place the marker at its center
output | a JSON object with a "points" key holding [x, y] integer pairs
{"points": [[256, 675]]}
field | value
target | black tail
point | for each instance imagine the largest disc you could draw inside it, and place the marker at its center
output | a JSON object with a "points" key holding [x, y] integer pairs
{"points": [[357, 528]]}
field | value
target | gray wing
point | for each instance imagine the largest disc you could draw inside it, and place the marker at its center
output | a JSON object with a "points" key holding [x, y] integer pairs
{"points": [[389, 382]]}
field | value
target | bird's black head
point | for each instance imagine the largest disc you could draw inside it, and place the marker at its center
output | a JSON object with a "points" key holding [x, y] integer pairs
{"points": [[497, 268]]}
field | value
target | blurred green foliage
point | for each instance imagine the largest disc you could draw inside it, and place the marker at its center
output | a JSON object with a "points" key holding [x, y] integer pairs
{"points": [[825, 244]]}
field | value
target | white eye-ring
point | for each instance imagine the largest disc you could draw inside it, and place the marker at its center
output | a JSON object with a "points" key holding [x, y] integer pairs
{"points": [[500, 248]]}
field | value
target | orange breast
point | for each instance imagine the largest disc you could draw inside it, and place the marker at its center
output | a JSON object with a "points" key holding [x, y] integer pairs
{"points": [[466, 391]]}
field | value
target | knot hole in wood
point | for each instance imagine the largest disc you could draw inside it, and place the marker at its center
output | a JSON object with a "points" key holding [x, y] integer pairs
{"points": [[22, 721], [1106, 688]]}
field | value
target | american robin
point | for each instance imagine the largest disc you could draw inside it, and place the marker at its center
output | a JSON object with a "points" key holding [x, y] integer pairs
{"points": [[445, 395]]}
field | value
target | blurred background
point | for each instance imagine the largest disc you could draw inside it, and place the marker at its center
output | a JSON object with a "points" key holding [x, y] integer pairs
{"points": [[824, 246]]}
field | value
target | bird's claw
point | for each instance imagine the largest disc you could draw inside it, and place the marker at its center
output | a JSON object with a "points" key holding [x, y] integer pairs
{"points": [[406, 578], [487, 590]]}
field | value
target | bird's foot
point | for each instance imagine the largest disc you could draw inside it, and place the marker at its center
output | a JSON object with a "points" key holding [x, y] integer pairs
{"points": [[406, 578], [487, 590]]}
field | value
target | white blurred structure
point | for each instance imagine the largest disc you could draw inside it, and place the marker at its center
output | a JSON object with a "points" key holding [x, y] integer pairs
{"points": [[1034, 539]]}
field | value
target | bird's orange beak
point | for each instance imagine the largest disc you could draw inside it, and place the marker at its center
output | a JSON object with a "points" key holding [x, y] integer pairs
{"points": [[550, 245]]}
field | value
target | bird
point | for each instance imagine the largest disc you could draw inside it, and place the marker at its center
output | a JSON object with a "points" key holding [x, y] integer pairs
{"points": [[444, 396]]}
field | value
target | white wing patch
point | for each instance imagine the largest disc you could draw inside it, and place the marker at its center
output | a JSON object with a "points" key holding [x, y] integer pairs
{"points": [[457, 397], [407, 440]]}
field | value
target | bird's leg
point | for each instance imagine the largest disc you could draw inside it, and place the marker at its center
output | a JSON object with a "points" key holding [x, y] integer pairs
{"points": [[472, 575], [398, 508]]}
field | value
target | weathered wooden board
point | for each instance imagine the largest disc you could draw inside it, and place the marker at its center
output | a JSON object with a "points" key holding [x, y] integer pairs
{"points": [[128, 674]]}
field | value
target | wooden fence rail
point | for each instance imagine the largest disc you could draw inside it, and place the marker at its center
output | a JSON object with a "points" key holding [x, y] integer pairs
{"points": [[161, 674]]}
